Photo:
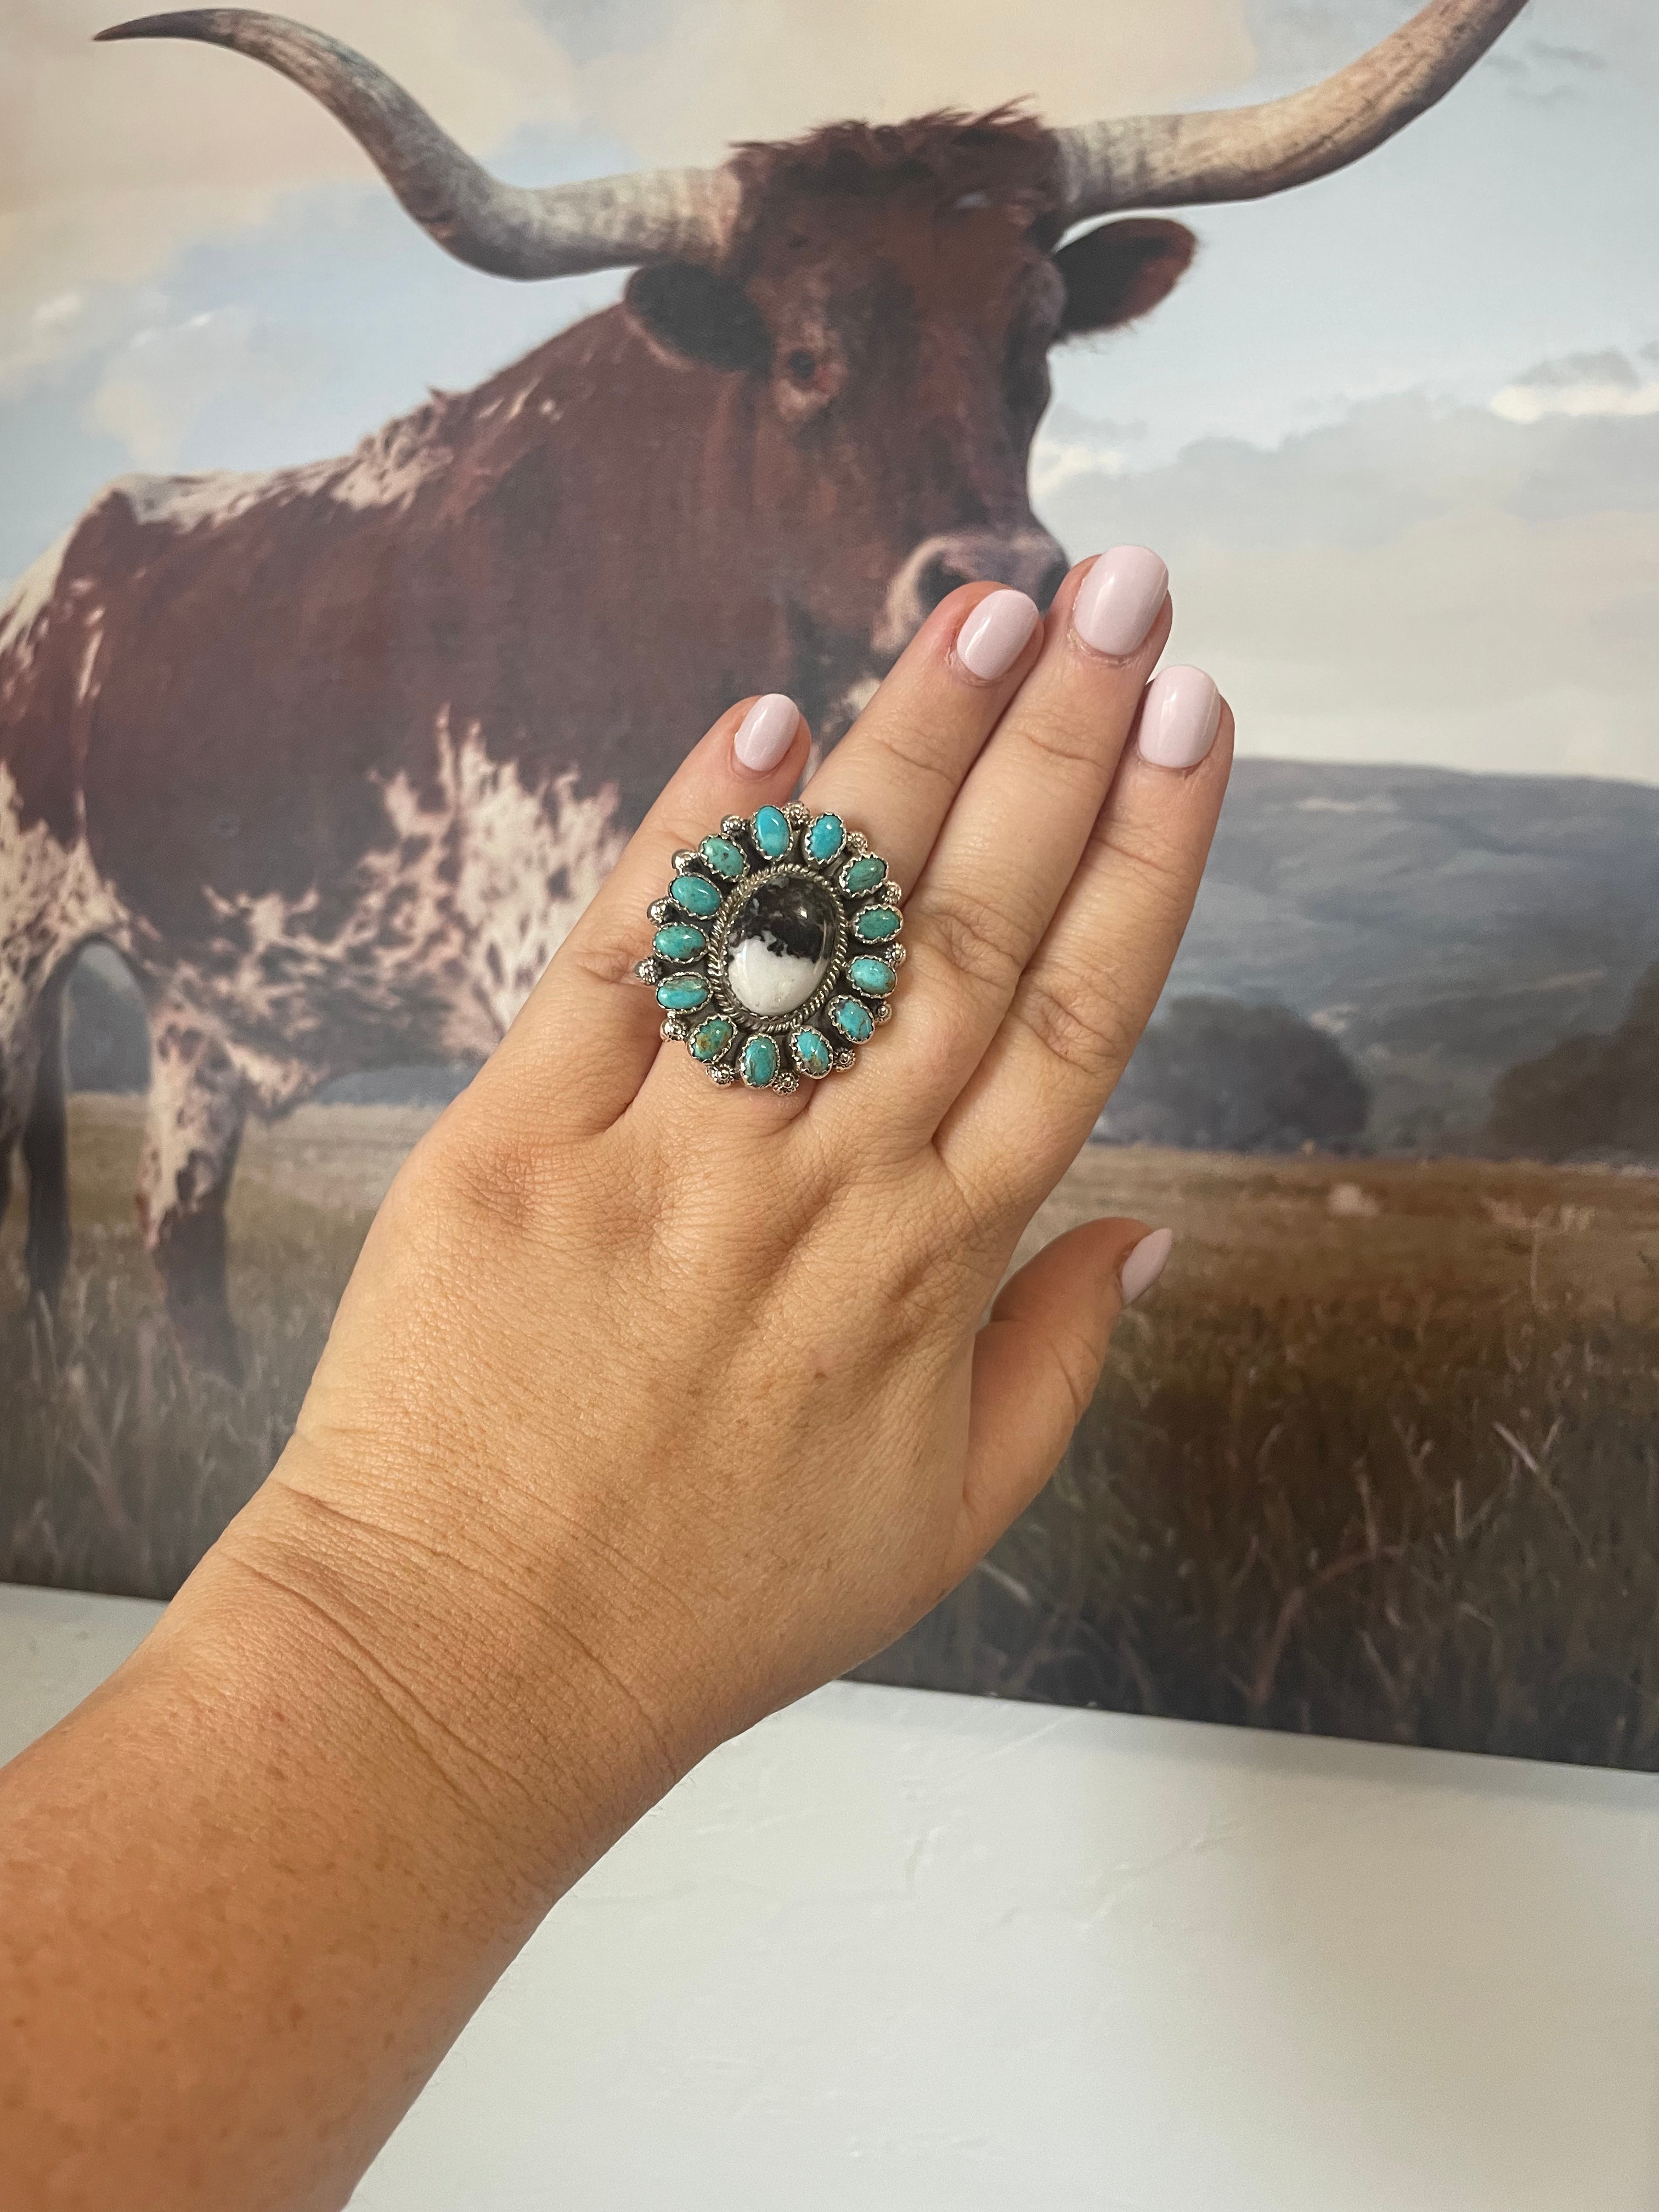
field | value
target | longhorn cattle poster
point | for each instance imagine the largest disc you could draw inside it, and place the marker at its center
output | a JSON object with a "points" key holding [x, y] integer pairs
{"points": [[365, 581]]}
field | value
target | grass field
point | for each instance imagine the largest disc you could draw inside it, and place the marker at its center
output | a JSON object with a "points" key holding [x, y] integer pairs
{"points": [[118, 1464], [1379, 1458]]}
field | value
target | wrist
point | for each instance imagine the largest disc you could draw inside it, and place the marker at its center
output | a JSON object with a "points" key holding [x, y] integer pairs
{"points": [[446, 1674], [298, 1847]]}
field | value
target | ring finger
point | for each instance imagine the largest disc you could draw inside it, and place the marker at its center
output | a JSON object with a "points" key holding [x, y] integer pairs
{"points": [[896, 772]]}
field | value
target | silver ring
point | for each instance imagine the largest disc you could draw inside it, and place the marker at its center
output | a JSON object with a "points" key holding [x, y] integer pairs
{"points": [[776, 948]]}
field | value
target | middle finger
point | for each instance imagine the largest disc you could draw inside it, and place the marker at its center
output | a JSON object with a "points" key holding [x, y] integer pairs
{"points": [[1015, 833]]}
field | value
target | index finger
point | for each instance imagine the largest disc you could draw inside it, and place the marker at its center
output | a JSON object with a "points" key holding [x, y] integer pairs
{"points": [[590, 1030]]}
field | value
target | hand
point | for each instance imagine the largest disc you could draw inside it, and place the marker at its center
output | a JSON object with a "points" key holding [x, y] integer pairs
{"points": [[647, 1407], [690, 1389]]}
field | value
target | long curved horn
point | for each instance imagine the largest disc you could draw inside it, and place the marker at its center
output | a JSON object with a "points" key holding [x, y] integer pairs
{"points": [[610, 222], [1242, 153]]}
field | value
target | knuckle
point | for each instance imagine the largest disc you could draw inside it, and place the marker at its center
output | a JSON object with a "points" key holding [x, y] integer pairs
{"points": [[959, 1219], [976, 939], [1074, 741], [605, 958], [938, 1273], [1074, 1021], [487, 1174], [914, 748], [1163, 873], [492, 1168]]}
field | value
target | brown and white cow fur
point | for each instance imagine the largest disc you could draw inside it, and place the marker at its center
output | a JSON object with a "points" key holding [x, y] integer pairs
{"points": [[333, 755]]}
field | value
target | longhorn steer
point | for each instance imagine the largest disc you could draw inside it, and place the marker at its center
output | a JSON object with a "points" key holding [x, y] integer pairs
{"points": [[334, 755]]}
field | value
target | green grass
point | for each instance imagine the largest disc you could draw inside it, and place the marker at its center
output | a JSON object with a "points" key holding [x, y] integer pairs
{"points": [[1380, 1457]]}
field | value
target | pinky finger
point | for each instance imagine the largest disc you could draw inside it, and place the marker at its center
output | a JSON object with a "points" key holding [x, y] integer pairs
{"points": [[1037, 1363]]}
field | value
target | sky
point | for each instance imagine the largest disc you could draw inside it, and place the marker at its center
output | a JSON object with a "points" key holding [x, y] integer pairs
{"points": [[1397, 433]]}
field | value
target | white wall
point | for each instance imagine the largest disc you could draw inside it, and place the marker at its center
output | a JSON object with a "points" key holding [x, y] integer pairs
{"points": [[893, 1952]]}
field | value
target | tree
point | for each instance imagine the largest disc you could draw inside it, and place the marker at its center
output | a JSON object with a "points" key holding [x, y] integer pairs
{"points": [[1590, 1094], [1216, 1075]]}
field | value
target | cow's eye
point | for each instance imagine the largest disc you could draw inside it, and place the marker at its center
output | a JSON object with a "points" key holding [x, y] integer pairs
{"points": [[800, 367]]}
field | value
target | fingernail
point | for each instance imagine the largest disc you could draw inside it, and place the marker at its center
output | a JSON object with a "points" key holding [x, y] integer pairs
{"points": [[993, 637], [1180, 718], [1119, 599], [766, 732], [1145, 1264]]}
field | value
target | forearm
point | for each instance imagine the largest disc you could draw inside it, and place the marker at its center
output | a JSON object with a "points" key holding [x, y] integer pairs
{"points": [[255, 1887]]}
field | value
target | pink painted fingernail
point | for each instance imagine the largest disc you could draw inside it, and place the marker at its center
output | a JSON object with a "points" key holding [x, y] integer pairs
{"points": [[1119, 599], [1179, 718], [994, 635], [1145, 1264], [766, 732]]}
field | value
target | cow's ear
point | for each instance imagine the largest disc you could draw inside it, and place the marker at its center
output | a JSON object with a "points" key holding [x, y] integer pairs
{"points": [[1120, 270], [691, 314]]}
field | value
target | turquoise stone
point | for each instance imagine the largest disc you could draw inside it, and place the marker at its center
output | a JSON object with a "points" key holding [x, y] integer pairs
{"points": [[723, 857], [851, 1019], [695, 895], [712, 1038], [680, 941], [826, 837], [812, 1053], [868, 974], [773, 832], [876, 924], [682, 994], [760, 1062], [863, 874]]}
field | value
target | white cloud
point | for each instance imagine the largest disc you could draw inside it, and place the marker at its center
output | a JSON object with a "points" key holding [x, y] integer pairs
{"points": [[1586, 384], [1414, 583], [1057, 462], [1521, 403], [1070, 446], [153, 388], [69, 326]]}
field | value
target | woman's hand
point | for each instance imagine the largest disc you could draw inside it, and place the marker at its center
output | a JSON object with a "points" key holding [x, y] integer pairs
{"points": [[691, 1389], [648, 1407]]}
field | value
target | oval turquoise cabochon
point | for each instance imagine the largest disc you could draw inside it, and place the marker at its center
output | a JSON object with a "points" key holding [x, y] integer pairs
{"points": [[760, 1062], [866, 973]]}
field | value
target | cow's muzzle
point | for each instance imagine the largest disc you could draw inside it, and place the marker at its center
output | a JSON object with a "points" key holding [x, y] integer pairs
{"points": [[1031, 559]]}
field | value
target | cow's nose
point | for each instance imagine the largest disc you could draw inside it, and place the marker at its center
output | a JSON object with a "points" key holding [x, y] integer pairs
{"points": [[1031, 559]]}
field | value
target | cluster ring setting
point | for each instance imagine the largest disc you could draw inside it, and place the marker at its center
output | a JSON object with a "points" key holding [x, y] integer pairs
{"points": [[776, 949]]}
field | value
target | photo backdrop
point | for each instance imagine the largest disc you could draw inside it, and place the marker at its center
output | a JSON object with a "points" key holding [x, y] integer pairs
{"points": [[1381, 1456]]}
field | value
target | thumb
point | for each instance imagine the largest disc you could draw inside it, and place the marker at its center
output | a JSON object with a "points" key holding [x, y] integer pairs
{"points": [[1037, 1363]]}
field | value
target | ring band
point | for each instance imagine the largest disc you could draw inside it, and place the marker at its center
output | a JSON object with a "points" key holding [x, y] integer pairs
{"points": [[776, 948]]}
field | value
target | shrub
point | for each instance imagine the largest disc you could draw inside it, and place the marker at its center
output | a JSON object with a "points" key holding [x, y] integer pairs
{"points": [[1590, 1094], [1216, 1075]]}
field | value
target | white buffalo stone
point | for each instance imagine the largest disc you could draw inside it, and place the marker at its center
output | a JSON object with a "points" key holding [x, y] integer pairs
{"points": [[779, 948]]}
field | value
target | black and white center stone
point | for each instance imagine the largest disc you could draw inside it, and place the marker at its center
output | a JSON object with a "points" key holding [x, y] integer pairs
{"points": [[780, 943]]}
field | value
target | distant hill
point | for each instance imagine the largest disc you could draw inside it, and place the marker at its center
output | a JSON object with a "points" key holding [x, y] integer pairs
{"points": [[1442, 927]]}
